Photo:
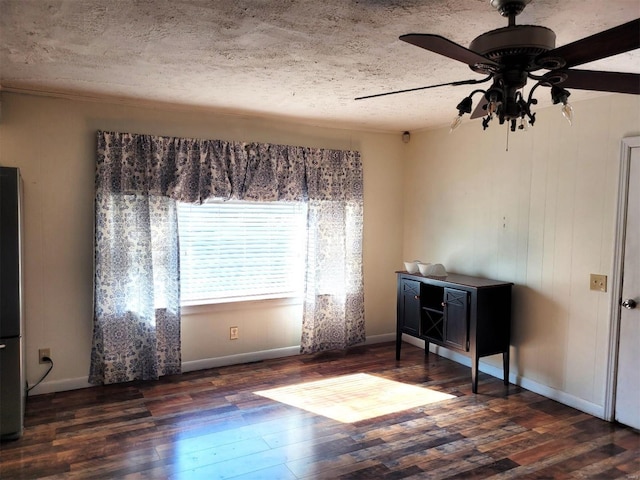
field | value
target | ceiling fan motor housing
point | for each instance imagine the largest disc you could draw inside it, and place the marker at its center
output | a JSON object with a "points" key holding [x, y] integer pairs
{"points": [[513, 50], [511, 47]]}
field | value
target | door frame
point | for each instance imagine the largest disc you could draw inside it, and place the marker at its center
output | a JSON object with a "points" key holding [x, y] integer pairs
{"points": [[626, 145]]}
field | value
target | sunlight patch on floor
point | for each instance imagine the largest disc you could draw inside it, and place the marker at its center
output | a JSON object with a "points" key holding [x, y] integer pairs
{"points": [[352, 398]]}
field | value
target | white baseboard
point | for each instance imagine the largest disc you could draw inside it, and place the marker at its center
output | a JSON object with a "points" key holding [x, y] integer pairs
{"points": [[61, 385], [386, 337], [531, 385], [265, 355], [190, 366], [562, 397], [240, 358], [415, 341], [541, 389]]}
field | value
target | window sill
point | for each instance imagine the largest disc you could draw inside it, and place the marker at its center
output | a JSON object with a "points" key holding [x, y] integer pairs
{"points": [[240, 303]]}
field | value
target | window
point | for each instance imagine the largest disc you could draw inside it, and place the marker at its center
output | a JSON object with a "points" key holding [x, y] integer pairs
{"points": [[238, 250]]}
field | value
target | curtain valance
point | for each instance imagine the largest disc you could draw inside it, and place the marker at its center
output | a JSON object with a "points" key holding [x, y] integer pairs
{"points": [[194, 170]]}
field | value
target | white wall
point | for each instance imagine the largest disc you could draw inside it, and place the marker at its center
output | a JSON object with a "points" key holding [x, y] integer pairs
{"points": [[52, 141], [541, 215]]}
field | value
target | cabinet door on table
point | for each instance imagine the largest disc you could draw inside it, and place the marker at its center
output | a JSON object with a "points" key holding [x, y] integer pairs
{"points": [[456, 313], [410, 307]]}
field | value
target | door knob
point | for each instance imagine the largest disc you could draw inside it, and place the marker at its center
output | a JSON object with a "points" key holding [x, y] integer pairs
{"points": [[629, 303]]}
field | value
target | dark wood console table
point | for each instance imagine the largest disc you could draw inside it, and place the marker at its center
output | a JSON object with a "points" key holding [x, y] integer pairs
{"points": [[470, 315]]}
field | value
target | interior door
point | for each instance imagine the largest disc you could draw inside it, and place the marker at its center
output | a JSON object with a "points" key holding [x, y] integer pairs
{"points": [[627, 396]]}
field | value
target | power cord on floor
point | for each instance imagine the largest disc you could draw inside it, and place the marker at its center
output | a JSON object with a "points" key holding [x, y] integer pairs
{"points": [[45, 359]]}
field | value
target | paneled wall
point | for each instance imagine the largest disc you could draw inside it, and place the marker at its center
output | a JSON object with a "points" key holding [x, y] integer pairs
{"points": [[541, 215]]}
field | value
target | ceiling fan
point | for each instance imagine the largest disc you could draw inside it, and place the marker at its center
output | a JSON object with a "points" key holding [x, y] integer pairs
{"points": [[511, 55]]}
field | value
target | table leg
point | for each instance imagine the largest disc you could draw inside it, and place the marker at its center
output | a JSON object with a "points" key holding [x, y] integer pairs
{"points": [[505, 366], [474, 373]]}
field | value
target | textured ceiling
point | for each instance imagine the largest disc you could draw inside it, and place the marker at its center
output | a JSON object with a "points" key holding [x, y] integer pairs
{"points": [[298, 59]]}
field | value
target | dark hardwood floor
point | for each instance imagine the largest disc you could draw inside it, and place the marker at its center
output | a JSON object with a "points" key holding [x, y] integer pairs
{"points": [[210, 424]]}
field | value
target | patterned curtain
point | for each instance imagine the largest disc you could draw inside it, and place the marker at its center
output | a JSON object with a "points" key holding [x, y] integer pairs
{"points": [[137, 294], [333, 315]]}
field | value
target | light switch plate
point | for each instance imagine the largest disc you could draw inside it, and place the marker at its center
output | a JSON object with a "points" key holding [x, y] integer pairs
{"points": [[598, 283], [234, 333]]}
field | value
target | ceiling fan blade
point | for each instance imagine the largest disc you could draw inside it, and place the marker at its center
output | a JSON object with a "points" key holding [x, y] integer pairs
{"points": [[443, 46], [459, 82], [601, 81], [620, 39]]}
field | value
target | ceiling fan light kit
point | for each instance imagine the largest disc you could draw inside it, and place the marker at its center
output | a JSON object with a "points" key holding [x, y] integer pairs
{"points": [[509, 56]]}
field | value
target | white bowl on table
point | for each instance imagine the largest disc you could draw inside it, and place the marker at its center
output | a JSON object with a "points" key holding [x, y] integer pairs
{"points": [[424, 268], [432, 270], [412, 267]]}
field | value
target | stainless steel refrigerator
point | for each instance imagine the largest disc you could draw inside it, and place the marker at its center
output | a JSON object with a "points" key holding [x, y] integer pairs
{"points": [[12, 379]]}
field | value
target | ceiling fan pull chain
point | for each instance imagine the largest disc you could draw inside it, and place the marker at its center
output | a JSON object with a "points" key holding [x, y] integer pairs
{"points": [[507, 141]]}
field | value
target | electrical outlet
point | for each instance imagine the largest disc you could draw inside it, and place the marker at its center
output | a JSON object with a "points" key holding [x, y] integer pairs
{"points": [[233, 333], [598, 282], [44, 352]]}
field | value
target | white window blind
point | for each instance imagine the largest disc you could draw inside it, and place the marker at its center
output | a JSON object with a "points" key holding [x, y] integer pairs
{"points": [[234, 250]]}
